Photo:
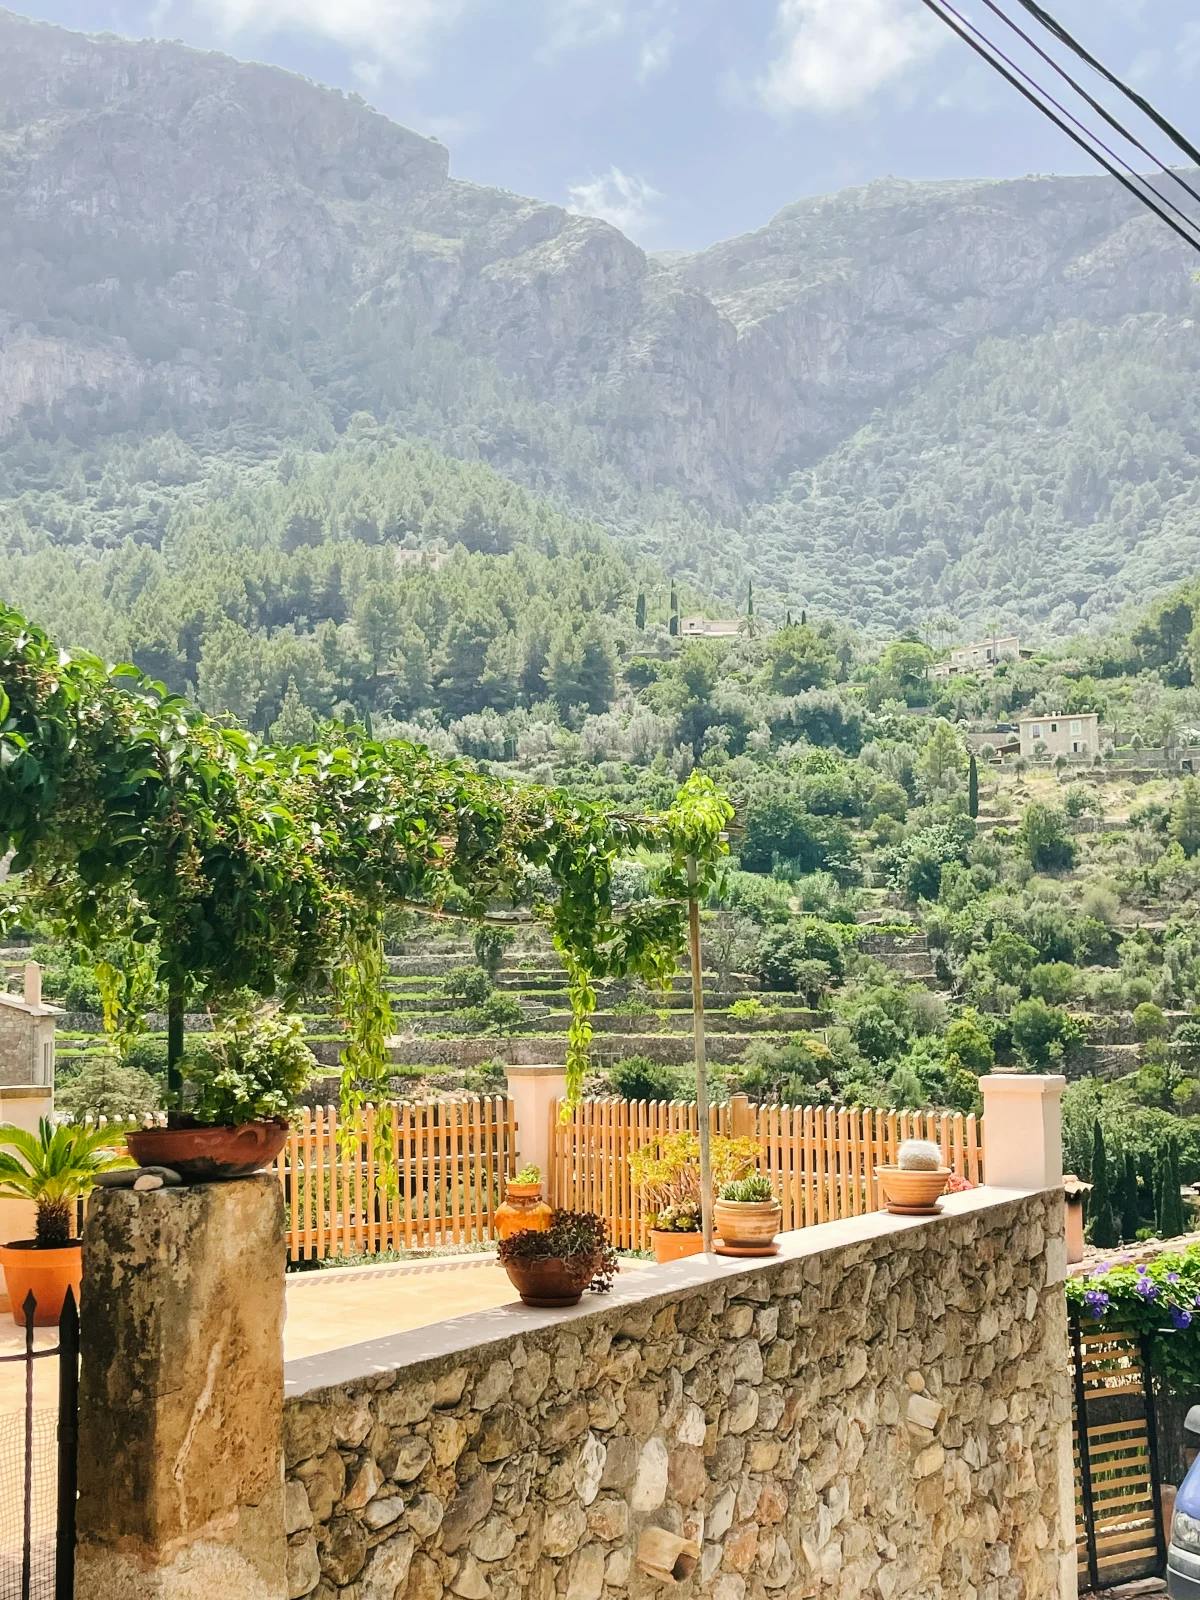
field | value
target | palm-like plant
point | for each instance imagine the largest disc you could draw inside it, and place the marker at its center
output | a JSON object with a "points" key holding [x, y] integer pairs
{"points": [[54, 1167]]}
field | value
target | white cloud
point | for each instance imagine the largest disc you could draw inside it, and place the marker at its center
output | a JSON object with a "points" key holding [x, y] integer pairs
{"points": [[621, 198], [580, 24], [396, 34], [834, 54]]}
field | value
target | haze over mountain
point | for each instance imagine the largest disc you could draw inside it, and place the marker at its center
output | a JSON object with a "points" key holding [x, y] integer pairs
{"points": [[973, 398]]}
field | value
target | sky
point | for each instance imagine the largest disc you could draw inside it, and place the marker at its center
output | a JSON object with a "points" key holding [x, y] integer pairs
{"points": [[681, 121]]}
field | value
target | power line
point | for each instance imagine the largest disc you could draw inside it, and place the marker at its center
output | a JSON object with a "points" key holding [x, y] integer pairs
{"points": [[985, 50], [1056, 28], [1088, 133], [1097, 105]]}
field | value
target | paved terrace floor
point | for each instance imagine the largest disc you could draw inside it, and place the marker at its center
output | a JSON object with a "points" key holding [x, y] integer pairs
{"points": [[325, 1310]]}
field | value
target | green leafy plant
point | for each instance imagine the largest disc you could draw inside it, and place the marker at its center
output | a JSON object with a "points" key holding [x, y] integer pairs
{"points": [[1159, 1299], [248, 1070], [54, 1167], [529, 1174], [668, 1170], [755, 1190], [573, 1236]]}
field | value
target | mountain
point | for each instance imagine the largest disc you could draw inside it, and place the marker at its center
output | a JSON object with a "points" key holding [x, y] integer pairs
{"points": [[972, 397]]}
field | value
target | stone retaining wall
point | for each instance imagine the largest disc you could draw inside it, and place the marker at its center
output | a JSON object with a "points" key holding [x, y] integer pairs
{"points": [[881, 1411]]}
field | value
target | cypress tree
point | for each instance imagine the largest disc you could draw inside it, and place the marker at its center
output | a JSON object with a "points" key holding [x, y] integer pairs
{"points": [[639, 612], [803, 618], [1131, 1219], [750, 599], [674, 623], [1102, 1221], [973, 787], [788, 623], [1171, 1220], [1148, 1194]]}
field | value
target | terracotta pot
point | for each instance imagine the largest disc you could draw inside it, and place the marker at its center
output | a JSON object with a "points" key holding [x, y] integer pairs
{"points": [[748, 1224], [523, 1210], [912, 1194], [46, 1274], [553, 1282], [202, 1154], [670, 1246]]}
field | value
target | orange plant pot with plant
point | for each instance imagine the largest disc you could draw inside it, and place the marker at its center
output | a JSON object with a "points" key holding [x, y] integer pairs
{"points": [[667, 1171]]}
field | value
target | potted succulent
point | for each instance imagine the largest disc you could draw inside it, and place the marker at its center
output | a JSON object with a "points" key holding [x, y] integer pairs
{"points": [[668, 1171], [747, 1216], [523, 1208], [914, 1186], [553, 1266], [54, 1168], [239, 1084]]}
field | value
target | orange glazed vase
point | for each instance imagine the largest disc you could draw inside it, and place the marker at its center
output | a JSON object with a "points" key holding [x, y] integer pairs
{"points": [[523, 1211]]}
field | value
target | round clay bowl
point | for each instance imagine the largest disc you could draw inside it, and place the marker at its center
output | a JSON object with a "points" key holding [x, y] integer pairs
{"points": [[207, 1154], [46, 1274], [911, 1193], [748, 1224], [670, 1246], [552, 1282]]}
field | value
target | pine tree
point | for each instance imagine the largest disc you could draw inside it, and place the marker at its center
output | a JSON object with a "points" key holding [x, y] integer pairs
{"points": [[639, 612], [295, 723], [1131, 1219], [973, 787], [1102, 1221], [674, 623]]}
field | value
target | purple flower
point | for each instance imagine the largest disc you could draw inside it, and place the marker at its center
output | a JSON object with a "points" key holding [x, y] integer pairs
{"points": [[1172, 1277], [1180, 1317], [1143, 1269], [1097, 1302], [1196, 1301], [1146, 1288]]}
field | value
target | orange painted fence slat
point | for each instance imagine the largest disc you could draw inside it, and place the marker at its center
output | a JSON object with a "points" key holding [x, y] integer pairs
{"points": [[448, 1162], [821, 1161]]}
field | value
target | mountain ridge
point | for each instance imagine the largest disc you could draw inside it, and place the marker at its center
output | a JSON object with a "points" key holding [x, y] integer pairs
{"points": [[196, 244]]}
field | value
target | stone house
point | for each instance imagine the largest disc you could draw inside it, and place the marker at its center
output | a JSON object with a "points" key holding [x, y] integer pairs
{"points": [[1075, 735], [27, 1035], [980, 659]]}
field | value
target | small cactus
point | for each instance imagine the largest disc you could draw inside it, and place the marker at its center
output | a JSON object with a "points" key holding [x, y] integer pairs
{"points": [[919, 1155]]}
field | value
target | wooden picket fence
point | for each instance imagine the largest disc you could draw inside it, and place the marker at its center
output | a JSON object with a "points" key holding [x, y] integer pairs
{"points": [[821, 1160], [440, 1185]]}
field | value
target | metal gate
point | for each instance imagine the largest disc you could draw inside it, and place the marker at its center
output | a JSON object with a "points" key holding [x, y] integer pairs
{"points": [[38, 1461], [1118, 1513]]}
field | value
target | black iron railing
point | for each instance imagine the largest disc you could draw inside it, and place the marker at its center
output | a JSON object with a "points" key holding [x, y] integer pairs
{"points": [[37, 1557]]}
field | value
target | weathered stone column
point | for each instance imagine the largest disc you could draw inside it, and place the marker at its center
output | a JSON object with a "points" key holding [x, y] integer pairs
{"points": [[532, 1091], [181, 1396]]}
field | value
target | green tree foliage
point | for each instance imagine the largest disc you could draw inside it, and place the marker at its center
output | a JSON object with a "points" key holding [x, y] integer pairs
{"points": [[1045, 838], [1103, 1227], [800, 658], [1185, 817], [973, 787]]}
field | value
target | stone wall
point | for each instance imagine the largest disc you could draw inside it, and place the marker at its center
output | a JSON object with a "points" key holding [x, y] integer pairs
{"points": [[881, 1411]]}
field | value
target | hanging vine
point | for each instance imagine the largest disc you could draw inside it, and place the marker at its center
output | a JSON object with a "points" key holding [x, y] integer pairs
{"points": [[137, 821]]}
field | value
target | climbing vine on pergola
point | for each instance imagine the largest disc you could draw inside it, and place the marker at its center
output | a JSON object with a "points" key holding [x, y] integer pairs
{"points": [[137, 820]]}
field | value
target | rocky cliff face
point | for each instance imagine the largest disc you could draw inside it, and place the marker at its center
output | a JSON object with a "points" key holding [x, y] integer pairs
{"points": [[180, 226]]}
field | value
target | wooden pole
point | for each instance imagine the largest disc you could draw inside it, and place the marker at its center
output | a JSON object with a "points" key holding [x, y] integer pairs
{"points": [[702, 1115]]}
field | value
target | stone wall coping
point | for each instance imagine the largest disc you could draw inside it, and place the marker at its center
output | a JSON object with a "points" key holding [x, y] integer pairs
{"points": [[355, 1363], [537, 1069], [1028, 1084], [24, 1091]]}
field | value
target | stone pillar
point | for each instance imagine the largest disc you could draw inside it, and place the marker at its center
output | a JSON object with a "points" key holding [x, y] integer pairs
{"points": [[533, 1091], [22, 1105], [1022, 1130], [181, 1395]]}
